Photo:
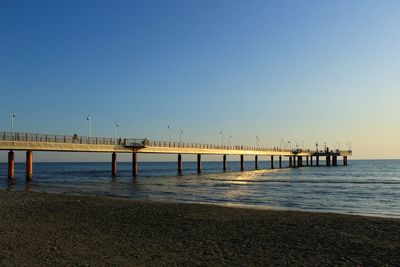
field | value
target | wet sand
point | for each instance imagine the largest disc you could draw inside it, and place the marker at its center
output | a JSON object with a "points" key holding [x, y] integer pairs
{"points": [[50, 229]]}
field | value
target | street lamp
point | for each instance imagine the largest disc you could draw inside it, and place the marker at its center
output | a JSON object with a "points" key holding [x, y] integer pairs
{"points": [[170, 132], [89, 119], [222, 136], [180, 135], [116, 125], [257, 140], [229, 140], [13, 116]]}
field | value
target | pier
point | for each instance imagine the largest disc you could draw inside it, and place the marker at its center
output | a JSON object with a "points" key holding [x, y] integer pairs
{"points": [[62, 143]]}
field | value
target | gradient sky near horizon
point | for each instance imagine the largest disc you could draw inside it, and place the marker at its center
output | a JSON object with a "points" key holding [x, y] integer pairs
{"points": [[304, 71]]}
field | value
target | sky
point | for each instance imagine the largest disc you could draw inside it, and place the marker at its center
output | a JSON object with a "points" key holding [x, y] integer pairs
{"points": [[304, 71]]}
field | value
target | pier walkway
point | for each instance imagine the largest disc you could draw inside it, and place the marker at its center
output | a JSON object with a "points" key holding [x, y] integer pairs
{"points": [[30, 142]]}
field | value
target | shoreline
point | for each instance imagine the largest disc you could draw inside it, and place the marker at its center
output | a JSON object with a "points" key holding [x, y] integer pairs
{"points": [[60, 229]]}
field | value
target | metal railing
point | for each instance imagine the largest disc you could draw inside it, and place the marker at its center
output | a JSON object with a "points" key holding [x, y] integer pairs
{"points": [[133, 143], [67, 139], [149, 143]]}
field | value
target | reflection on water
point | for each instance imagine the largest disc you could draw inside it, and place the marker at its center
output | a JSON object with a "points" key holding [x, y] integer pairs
{"points": [[364, 187]]}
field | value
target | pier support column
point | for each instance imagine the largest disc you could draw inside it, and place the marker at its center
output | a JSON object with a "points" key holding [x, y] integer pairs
{"points": [[134, 164], [256, 162], [179, 164], [224, 163], [307, 161], [198, 163], [114, 164], [334, 160], [290, 162], [29, 169], [328, 160], [311, 161], [294, 162], [11, 164], [241, 162], [272, 162], [299, 161], [317, 160], [345, 160], [280, 161]]}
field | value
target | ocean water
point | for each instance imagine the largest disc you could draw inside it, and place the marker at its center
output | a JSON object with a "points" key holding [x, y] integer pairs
{"points": [[370, 187]]}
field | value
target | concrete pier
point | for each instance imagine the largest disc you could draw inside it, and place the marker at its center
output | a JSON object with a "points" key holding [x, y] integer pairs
{"points": [[199, 163], [256, 162], [241, 162], [224, 163], [294, 162], [180, 164], [134, 164], [280, 161], [311, 161], [29, 165], [290, 162], [272, 162], [11, 165], [114, 164], [307, 161]]}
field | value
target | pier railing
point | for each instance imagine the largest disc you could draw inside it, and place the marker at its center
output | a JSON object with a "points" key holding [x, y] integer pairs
{"points": [[136, 143], [68, 139], [150, 143]]}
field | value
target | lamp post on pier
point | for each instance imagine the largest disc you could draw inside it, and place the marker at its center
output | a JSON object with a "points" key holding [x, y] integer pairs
{"points": [[257, 141], [116, 125], [13, 116], [229, 139], [222, 137], [170, 132], [89, 119], [180, 135]]}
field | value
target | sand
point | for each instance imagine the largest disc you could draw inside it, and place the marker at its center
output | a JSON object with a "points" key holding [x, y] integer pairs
{"points": [[54, 229]]}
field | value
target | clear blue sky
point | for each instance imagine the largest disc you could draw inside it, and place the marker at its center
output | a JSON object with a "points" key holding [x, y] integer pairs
{"points": [[301, 70]]}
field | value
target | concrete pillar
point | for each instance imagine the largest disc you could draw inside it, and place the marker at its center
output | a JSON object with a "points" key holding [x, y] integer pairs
{"points": [[179, 164], [290, 162], [280, 161], [300, 161], [241, 162], [134, 164], [334, 160], [224, 163], [29, 169], [345, 160], [307, 160], [317, 160], [272, 162], [294, 162], [328, 160], [199, 163], [256, 162], [114, 164], [11, 164], [311, 161]]}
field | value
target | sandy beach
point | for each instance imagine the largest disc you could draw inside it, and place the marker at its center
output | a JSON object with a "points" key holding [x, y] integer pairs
{"points": [[52, 229]]}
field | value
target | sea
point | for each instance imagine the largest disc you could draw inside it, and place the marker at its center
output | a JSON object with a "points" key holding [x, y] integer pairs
{"points": [[365, 187]]}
